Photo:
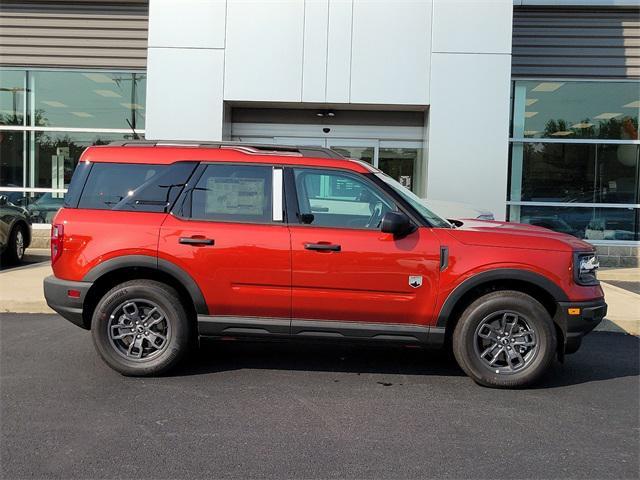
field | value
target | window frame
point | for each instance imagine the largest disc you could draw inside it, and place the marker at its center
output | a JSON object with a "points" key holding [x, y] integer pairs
{"points": [[293, 207], [182, 207]]}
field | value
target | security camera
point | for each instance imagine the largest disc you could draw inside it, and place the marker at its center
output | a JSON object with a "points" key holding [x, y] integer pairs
{"points": [[326, 129]]}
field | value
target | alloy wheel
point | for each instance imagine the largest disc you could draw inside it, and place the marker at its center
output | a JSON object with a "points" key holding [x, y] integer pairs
{"points": [[19, 244], [139, 330], [505, 342]]}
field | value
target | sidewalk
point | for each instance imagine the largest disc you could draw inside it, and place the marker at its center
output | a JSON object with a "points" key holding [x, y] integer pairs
{"points": [[21, 292]]}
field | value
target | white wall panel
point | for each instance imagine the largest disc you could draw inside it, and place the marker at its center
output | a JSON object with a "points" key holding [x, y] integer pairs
{"points": [[469, 130], [187, 23], [184, 94], [263, 56], [339, 51], [391, 49], [314, 64], [464, 26]]}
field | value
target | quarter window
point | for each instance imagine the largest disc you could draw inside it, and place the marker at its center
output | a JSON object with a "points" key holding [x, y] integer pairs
{"points": [[233, 193], [335, 199]]}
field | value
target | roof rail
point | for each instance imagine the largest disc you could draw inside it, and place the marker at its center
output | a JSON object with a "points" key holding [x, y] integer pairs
{"points": [[305, 151]]}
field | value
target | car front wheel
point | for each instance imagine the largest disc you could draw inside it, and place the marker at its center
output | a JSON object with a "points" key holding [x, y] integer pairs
{"points": [[15, 248], [141, 328], [505, 339]]}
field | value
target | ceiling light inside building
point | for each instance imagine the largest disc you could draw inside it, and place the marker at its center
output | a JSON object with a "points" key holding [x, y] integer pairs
{"points": [[81, 114], [133, 106], [530, 114], [547, 87], [582, 125], [530, 133], [635, 104], [98, 77], [562, 133], [607, 116], [53, 103], [108, 93], [530, 101]]}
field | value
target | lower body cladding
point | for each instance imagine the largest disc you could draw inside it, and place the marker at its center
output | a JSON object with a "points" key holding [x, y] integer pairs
{"points": [[227, 326]]}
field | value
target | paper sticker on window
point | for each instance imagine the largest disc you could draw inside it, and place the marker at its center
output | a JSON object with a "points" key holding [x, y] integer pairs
{"points": [[239, 196]]}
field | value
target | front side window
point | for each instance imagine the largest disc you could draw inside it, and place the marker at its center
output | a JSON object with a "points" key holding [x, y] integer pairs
{"points": [[233, 193], [336, 199]]}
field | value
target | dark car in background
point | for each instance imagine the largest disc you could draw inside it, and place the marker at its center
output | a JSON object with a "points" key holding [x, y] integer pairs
{"points": [[15, 232]]}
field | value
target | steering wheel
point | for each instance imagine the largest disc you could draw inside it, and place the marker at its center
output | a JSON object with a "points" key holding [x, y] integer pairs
{"points": [[376, 216]]}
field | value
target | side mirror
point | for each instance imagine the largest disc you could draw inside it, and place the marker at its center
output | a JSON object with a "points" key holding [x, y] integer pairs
{"points": [[396, 223], [4, 199]]}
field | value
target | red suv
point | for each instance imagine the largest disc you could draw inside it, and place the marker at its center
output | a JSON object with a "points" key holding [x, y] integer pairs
{"points": [[158, 244]]}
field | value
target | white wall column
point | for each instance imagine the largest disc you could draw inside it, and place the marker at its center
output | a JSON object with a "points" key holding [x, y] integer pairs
{"points": [[469, 111], [185, 69]]}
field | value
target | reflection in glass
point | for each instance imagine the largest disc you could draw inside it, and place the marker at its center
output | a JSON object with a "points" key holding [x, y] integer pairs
{"points": [[57, 154], [88, 99], [589, 223], [546, 109], [577, 173], [12, 97]]}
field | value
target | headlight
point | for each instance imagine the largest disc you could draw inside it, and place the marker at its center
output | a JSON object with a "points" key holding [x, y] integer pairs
{"points": [[585, 268]]}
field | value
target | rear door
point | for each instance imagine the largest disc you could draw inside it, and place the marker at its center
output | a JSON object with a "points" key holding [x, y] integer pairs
{"points": [[343, 267], [229, 234]]}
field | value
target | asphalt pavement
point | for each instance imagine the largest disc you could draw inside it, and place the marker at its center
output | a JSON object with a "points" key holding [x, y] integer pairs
{"points": [[281, 410]]}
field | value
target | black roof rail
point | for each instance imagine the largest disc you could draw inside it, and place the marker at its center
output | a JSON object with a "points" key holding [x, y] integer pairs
{"points": [[306, 151]]}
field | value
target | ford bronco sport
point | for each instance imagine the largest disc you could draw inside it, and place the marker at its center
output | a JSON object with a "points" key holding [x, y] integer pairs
{"points": [[160, 243]]}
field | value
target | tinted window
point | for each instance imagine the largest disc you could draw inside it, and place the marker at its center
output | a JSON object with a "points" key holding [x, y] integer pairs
{"points": [[233, 193], [110, 183], [335, 199]]}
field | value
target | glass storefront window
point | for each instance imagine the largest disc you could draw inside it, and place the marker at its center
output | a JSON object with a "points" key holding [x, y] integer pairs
{"points": [[400, 164], [556, 109], [88, 99], [12, 145], [364, 154], [576, 173], [588, 223], [56, 155], [12, 97]]}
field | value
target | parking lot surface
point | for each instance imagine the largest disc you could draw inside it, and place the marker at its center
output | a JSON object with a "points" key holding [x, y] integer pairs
{"points": [[280, 410]]}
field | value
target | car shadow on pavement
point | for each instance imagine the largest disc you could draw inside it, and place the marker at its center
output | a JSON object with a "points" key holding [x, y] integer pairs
{"points": [[603, 356], [216, 355]]}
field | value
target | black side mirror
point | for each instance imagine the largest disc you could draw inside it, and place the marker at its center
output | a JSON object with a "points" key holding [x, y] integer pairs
{"points": [[4, 199], [396, 223]]}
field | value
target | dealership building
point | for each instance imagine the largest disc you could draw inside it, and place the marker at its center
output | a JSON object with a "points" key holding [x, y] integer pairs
{"points": [[526, 108]]}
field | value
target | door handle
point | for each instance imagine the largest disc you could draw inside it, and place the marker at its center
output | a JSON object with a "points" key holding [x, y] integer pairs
{"points": [[196, 241], [322, 247]]}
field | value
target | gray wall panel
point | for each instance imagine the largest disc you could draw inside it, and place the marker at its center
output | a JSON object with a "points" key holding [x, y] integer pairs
{"points": [[74, 34], [576, 42]]}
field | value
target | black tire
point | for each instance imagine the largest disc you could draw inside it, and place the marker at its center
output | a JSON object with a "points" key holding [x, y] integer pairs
{"points": [[109, 313], [509, 371], [13, 254]]}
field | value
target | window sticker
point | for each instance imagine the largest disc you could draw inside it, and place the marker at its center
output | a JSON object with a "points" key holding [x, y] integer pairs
{"points": [[237, 196]]}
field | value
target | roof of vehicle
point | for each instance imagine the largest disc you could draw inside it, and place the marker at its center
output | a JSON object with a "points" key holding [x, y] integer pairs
{"points": [[165, 152]]}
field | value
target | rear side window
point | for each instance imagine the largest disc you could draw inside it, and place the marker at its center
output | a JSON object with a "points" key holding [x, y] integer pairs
{"points": [[134, 187], [233, 193]]}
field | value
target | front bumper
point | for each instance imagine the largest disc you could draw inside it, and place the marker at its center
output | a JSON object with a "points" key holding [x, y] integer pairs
{"points": [[56, 293], [576, 319]]}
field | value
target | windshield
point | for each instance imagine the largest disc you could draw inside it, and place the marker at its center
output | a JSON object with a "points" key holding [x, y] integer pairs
{"points": [[411, 198]]}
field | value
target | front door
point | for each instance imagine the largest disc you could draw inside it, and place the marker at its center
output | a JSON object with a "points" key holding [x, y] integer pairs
{"points": [[343, 267], [229, 235]]}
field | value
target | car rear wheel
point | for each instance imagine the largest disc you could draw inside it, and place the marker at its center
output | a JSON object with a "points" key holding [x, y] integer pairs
{"points": [[14, 252], [505, 339], [141, 328]]}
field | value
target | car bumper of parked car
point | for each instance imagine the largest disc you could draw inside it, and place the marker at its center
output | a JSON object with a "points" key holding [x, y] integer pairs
{"points": [[576, 319], [67, 298]]}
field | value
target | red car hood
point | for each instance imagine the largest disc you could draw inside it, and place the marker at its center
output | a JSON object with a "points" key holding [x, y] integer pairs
{"points": [[516, 235]]}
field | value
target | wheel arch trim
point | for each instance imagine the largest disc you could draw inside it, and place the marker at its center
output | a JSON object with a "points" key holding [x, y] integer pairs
{"points": [[155, 263], [499, 274]]}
